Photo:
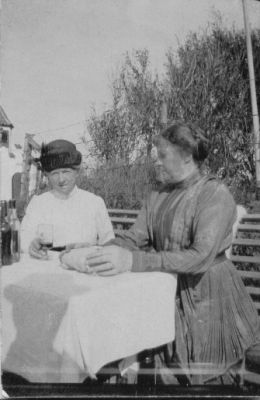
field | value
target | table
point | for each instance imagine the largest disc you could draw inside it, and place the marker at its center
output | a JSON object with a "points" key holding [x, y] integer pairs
{"points": [[61, 325]]}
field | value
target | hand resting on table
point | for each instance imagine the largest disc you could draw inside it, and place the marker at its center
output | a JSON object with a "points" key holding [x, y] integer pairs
{"points": [[37, 250], [104, 261]]}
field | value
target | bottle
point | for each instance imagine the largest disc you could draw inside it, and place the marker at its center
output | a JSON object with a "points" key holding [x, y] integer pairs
{"points": [[15, 231], [6, 254]]}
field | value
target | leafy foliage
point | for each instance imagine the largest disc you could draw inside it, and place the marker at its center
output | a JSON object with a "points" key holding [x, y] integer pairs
{"points": [[205, 82], [208, 83], [121, 186], [135, 115]]}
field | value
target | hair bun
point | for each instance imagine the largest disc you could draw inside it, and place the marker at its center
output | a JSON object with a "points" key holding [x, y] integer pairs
{"points": [[201, 141], [202, 149]]}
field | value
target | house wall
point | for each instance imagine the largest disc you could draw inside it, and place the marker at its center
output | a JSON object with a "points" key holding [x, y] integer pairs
{"points": [[9, 165]]}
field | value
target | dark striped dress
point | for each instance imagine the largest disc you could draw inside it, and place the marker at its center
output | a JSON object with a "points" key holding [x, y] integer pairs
{"points": [[185, 229]]}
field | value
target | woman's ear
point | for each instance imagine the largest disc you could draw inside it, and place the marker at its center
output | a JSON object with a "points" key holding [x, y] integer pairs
{"points": [[187, 157]]}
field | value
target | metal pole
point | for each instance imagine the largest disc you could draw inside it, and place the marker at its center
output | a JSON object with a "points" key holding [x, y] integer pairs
{"points": [[1, 329], [253, 95]]}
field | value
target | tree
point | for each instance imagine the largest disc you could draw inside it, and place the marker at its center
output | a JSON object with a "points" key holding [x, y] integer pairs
{"points": [[125, 131], [207, 83], [142, 96]]}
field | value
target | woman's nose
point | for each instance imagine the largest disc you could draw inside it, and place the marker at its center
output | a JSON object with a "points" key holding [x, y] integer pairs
{"points": [[61, 178]]}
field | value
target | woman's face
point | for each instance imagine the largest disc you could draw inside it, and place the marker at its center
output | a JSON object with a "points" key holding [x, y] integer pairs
{"points": [[171, 164], [63, 180]]}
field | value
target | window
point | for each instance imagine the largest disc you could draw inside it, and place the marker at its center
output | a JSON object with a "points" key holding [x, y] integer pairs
{"points": [[3, 136]]}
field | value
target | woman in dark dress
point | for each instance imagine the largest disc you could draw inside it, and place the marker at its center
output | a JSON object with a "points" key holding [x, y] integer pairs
{"points": [[187, 226]]}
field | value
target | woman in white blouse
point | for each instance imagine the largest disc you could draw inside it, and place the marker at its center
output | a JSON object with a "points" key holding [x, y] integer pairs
{"points": [[77, 216]]}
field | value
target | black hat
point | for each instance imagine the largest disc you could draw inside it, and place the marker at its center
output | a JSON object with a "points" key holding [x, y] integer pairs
{"points": [[59, 154]]}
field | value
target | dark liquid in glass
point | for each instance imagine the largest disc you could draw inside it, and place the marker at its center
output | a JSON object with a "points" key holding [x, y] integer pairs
{"points": [[48, 245]]}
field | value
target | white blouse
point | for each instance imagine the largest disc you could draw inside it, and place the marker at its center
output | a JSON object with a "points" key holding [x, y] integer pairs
{"points": [[82, 217]]}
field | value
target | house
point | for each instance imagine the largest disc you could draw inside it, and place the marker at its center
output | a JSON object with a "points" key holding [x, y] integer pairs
{"points": [[10, 159]]}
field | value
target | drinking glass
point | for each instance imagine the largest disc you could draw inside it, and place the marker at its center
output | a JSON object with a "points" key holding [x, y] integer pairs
{"points": [[45, 234]]}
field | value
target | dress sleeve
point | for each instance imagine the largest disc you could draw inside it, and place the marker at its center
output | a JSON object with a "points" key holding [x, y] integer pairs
{"points": [[29, 223], [104, 226], [211, 232], [137, 237]]}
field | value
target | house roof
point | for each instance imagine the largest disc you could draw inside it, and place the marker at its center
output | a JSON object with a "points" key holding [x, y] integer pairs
{"points": [[4, 121]]}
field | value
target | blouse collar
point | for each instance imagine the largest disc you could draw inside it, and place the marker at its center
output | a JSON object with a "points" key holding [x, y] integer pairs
{"points": [[61, 197]]}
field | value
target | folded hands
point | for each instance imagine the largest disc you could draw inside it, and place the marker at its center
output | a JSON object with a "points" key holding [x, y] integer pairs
{"points": [[104, 261]]}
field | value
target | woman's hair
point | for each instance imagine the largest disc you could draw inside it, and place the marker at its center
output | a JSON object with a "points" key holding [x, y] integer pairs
{"points": [[188, 138]]}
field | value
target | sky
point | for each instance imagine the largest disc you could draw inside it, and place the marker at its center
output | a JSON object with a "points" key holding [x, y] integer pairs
{"points": [[58, 56]]}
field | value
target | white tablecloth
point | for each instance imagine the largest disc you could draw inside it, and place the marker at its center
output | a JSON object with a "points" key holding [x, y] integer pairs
{"points": [[60, 325]]}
